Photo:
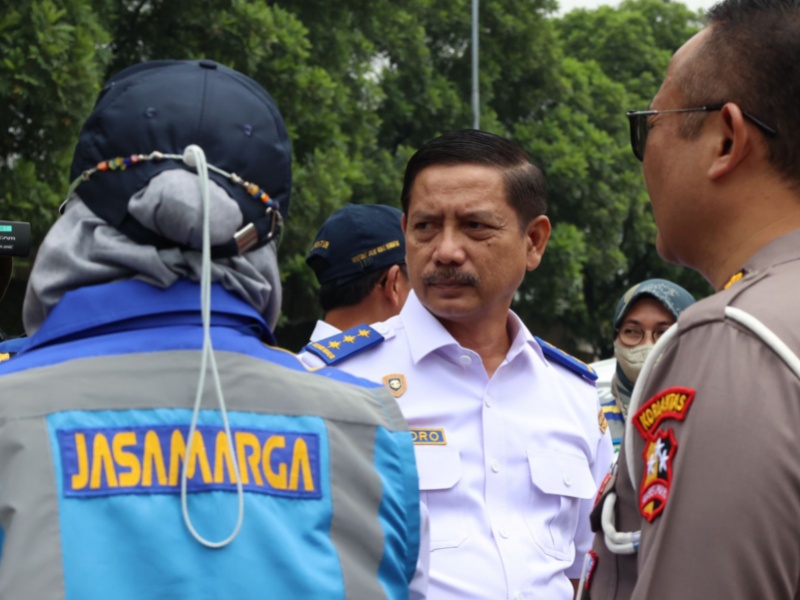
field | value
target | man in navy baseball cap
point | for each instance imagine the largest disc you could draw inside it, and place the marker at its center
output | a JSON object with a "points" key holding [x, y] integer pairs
{"points": [[359, 258]]}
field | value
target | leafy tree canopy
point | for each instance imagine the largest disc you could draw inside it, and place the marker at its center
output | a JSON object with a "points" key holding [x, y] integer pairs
{"points": [[361, 85]]}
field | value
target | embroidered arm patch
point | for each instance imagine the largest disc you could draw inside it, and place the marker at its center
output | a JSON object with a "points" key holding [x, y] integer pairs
{"points": [[660, 446]]}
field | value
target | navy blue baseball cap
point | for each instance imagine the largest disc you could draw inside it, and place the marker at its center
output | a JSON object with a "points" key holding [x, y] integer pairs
{"points": [[356, 240], [166, 105], [672, 296]]}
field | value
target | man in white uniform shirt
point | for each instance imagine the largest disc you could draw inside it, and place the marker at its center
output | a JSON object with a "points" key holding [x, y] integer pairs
{"points": [[509, 441]]}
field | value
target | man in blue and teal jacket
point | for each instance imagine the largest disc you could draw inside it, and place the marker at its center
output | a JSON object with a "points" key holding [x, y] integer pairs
{"points": [[153, 441]]}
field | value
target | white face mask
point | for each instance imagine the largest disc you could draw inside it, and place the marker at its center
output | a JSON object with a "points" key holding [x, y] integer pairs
{"points": [[631, 360]]}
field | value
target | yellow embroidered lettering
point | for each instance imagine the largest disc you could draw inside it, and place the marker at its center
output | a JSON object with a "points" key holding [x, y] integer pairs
{"points": [[300, 463], [244, 441], [276, 480], [223, 453], [153, 457], [324, 350], [197, 454], [177, 448], [81, 479], [646, 418], [102, 461], [124, 458]]}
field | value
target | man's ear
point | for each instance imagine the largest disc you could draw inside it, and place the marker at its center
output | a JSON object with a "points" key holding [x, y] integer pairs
{"points": [[733, 141], [537, 234], [391, 288]]}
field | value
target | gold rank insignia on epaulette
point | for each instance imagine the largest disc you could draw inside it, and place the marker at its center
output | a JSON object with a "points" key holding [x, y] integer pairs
{"points": [[565, 360], [343, 345], [4, 356]]}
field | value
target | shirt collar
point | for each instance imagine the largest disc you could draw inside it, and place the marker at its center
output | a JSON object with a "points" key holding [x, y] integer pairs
{"points": [[782, 249], [426, 334], [123, 304], [323, 330]]}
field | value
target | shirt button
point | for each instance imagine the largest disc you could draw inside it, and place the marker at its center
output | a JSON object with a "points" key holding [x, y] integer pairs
{"points": [[495, 466], [504, 533], [465, 359], [488, 401], [567, 480]]}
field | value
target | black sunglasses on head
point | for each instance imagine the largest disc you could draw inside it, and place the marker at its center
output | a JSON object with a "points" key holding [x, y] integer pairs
{"points": [[640, 127]]}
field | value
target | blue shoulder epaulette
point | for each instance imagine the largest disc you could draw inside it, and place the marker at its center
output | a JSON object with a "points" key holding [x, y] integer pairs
{"points": [[565, 360], [343, 345]]}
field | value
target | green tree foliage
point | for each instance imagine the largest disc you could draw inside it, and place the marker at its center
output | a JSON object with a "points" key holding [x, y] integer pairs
{"points": [[362, 84], [51, 65], [622, 54], [52, 62]]}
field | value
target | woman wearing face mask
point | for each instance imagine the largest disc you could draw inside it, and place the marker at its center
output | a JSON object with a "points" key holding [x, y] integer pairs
{"points": [[643, 313]]}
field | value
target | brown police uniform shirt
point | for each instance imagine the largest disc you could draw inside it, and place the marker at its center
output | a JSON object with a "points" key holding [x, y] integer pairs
{"points": [[716, 453]]}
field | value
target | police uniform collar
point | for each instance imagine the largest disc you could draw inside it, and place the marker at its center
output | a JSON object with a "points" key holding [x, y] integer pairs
{"points": [[780, 250]]}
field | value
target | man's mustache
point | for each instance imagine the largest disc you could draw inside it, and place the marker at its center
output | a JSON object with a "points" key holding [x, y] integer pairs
{"points": [[451, 276]]}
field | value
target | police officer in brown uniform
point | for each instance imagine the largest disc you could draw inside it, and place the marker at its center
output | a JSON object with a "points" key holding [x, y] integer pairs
{"points": [[705, 503]]}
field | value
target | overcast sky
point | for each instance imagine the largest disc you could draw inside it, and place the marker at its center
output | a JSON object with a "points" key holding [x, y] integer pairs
{"points": [[567, 5]]}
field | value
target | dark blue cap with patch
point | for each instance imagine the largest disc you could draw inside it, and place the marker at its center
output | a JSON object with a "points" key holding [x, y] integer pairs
{"points": [[164, 106], [356, 240]]}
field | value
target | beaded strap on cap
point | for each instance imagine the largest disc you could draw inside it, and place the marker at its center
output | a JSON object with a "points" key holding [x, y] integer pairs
{"points": [[245, 238], [122, 163]]}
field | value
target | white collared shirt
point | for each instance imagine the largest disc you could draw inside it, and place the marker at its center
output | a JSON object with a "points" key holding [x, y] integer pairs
{"points": [[508, 466], [323, 330]]}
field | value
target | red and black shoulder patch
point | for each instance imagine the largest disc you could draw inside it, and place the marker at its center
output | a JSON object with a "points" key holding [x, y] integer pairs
{"points": [[660, 446]]}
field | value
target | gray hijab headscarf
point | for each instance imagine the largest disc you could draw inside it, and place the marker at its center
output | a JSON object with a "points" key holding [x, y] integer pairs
{"points": [[674, 298], [81, 249]]}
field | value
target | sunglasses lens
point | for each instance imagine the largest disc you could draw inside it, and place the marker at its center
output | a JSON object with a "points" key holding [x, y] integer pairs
{"points": [[638, 134], [643, 131]]}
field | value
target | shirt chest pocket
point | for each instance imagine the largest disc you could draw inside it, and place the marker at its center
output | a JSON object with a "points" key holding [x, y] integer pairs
{"points": [[439, 469], [559, 483]]}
